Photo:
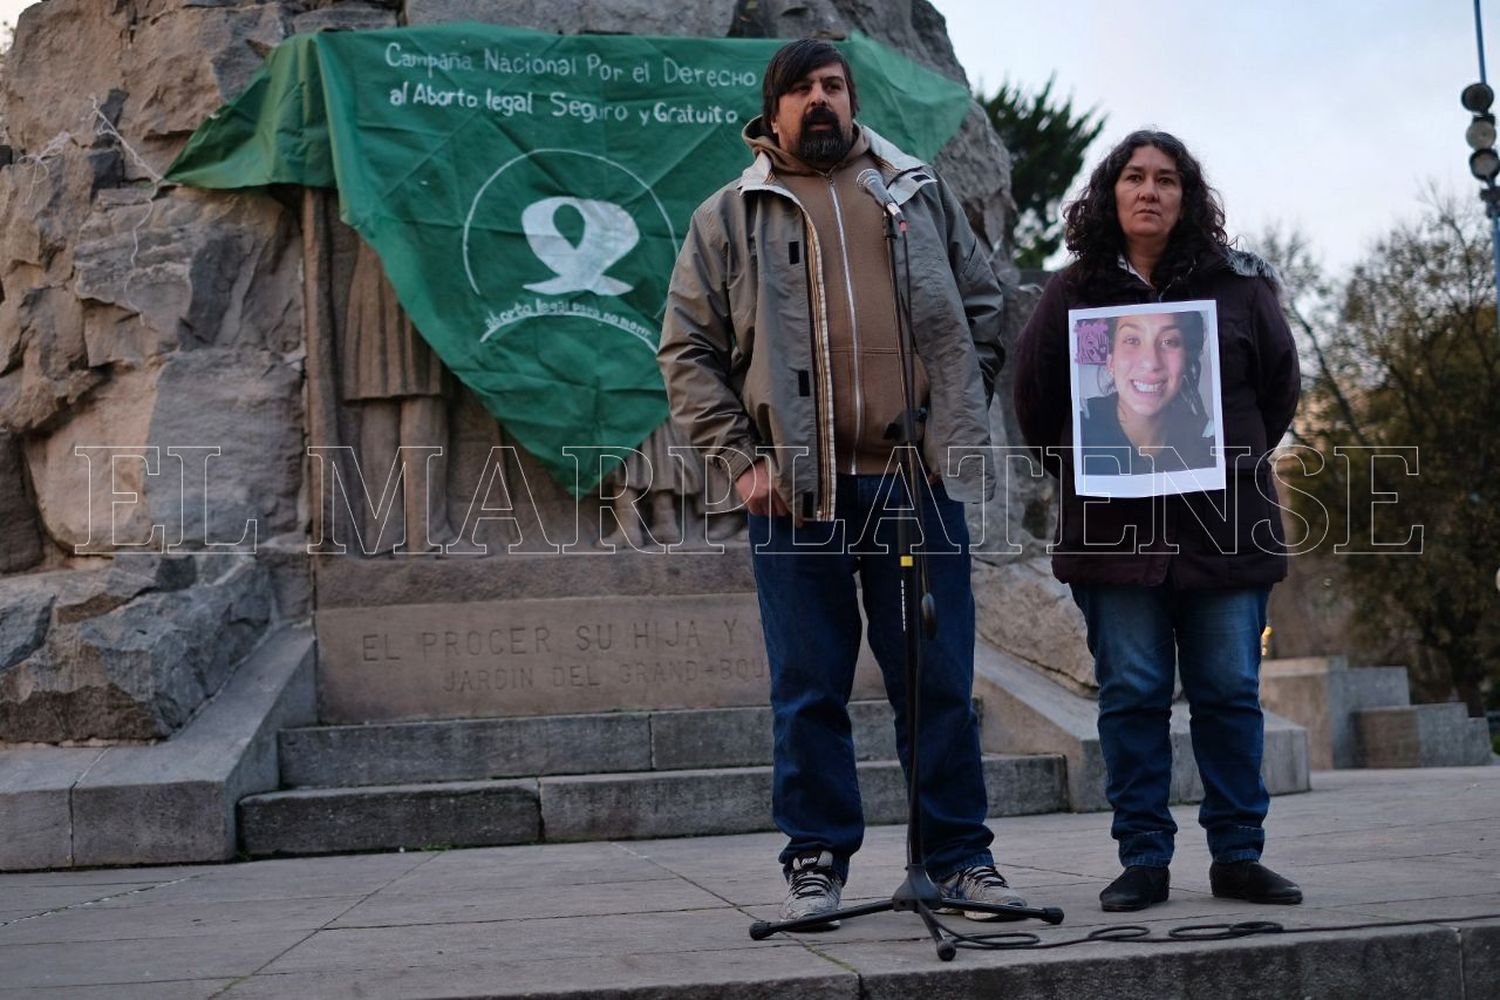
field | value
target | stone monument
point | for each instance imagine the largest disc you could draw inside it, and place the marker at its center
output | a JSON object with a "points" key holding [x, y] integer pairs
{"points": [[191, 384], [185, 373]]}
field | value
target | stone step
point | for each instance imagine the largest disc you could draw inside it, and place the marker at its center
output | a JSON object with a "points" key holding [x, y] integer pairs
{"points": [[410, 753], [391, 817], [1322, 693], [1435, 735], [165, 803], [624, 806], [479, 749]]}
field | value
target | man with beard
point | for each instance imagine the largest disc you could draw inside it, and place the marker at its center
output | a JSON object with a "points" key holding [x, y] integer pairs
{"points": [[781, 358]]}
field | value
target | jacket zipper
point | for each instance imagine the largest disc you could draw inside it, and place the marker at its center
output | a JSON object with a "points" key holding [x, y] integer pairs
{"points": [[822, 361], [822, 376], [859, 394]]}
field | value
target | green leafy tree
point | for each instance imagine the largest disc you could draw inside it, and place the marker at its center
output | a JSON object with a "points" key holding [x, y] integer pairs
{"points": [[1402, 372], [1047, 140]]}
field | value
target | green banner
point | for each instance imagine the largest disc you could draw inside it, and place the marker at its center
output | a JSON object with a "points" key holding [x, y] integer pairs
{"points": [[527, 192]]}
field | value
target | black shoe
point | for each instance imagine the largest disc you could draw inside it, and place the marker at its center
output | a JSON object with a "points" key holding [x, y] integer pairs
{"points": [[1137, 888], [1252, 882]]}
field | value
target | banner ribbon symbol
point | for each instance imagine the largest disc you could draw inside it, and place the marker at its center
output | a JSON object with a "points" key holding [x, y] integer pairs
{"points": [[609, 233]]}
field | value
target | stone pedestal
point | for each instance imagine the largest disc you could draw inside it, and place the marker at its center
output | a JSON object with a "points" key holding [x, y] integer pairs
{"points": [[410, 639], [1322, 694], [553, 657]]}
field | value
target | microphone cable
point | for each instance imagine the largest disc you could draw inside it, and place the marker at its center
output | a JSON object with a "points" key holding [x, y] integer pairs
{"points": [[1137, 934]]}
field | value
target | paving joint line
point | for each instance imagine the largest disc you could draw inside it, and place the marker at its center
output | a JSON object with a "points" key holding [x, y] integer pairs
{"points": [[1353, 909], [318, 930], [859, 977], [749, 945], [511, 920], [72, 817], [793, 939], [101, 899], [679, 875], [1379, 828]]}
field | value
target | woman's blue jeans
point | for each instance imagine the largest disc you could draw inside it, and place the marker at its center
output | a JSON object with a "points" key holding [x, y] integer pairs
{"points": [[1138, 635], [809, 606]]}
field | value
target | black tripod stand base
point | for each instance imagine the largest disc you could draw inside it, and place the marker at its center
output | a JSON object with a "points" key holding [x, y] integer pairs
{"points": [[762, 929], [917, 894], [1046, 914]]}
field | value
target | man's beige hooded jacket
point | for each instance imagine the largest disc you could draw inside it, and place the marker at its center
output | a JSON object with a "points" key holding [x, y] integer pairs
{"points": [[744, 348]]}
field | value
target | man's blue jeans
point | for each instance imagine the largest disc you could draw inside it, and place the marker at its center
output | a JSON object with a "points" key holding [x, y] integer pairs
{"points": [[805, 578], [1137, 636]]}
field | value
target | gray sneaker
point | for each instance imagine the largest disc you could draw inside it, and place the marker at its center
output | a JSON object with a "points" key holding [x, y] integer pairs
{"points": [[812, 889], [982, 884]]}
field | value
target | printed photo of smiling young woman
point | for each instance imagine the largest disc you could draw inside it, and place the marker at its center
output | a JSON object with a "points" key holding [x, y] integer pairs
{"points": [[1146, 401]]}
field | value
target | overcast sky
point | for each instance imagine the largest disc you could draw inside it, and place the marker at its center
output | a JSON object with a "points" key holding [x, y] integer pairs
{"points": [[10, 8], [1330, 115]]}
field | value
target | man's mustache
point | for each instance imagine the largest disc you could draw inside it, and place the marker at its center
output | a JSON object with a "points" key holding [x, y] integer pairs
{"points": [[820, 116]]}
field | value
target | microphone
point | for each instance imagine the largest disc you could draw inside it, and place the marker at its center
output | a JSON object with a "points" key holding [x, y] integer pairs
{"points": [[869, 180]]}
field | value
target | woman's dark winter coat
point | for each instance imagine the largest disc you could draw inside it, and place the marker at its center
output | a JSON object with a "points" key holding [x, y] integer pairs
{"points": [[1224, 538]]}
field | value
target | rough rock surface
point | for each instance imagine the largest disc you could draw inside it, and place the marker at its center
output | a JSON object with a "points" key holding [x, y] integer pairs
{"points": [[346, 17], [47, 88], [1022, 513], [128, 652], [110, 282], [1023, 610], [163, 424], [24, 616], [185, 65], [186, 270], [710, 18], [249, 405], [91, 594], [20, 532], [74, 480], [51, 370]]}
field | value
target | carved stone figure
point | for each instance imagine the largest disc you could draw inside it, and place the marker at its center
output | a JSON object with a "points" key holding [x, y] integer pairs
{"points": [[663, 480], [374, 386], [669, 496], [401, 388]]}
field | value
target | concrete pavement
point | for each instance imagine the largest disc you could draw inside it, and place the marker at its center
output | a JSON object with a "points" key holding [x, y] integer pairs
{"points": [[669, 918]]}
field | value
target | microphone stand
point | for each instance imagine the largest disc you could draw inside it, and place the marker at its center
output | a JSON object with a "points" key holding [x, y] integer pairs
{"points": [[917, 893]]}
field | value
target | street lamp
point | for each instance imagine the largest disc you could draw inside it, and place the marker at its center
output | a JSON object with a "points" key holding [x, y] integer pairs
{"points": [[1484, 161]]}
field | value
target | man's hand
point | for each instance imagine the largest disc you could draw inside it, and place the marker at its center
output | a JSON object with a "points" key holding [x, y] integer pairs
{"points": [[754, 488]]}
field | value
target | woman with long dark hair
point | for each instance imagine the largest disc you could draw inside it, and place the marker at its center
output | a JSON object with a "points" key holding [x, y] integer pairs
{"points": [[1180, 582]]}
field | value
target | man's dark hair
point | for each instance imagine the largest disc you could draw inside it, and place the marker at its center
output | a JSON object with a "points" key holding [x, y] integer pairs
{"points": [[1092, 223], [794, 61]]}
